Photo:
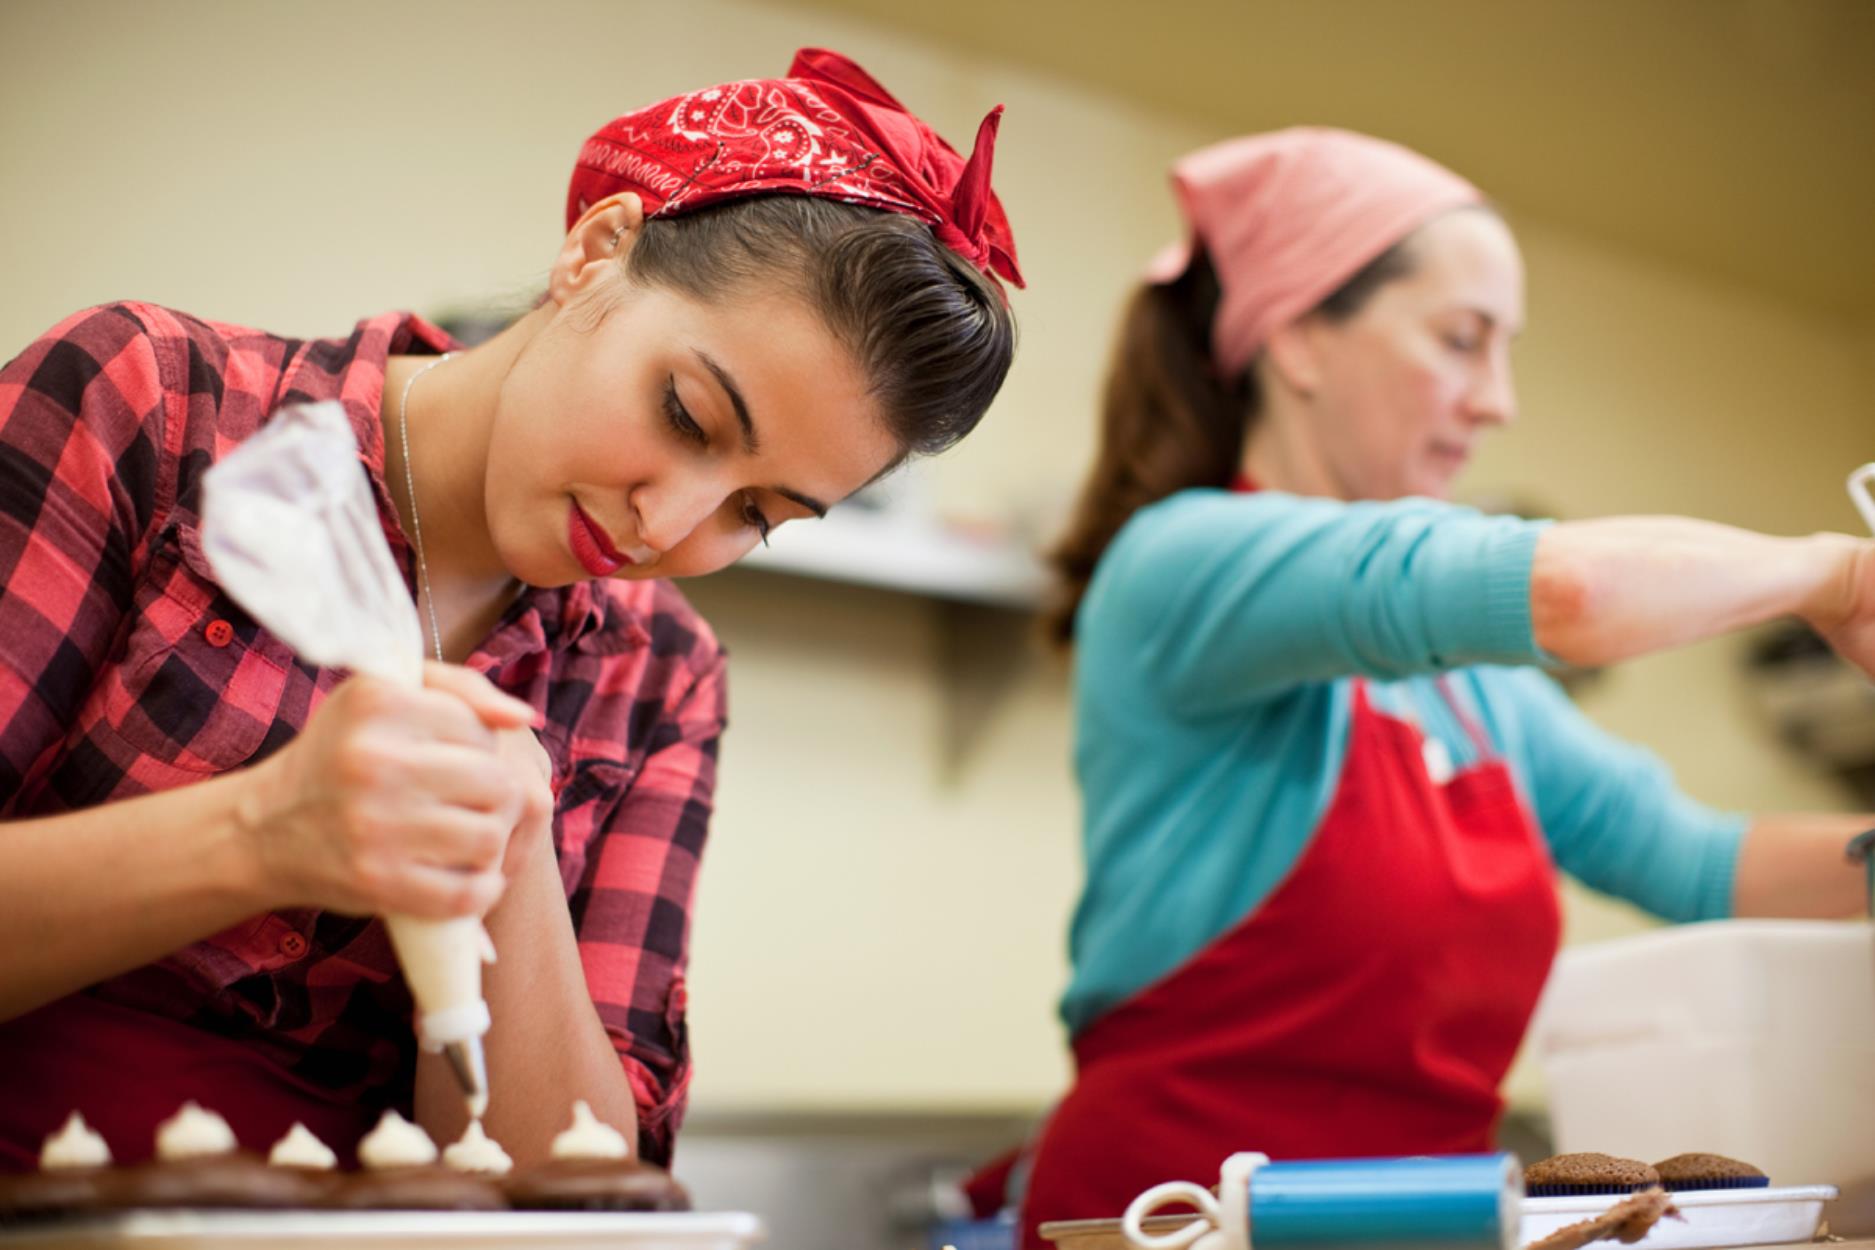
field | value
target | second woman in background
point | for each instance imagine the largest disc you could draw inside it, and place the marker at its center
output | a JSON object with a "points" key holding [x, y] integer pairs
{"points": [[1326, 783]]}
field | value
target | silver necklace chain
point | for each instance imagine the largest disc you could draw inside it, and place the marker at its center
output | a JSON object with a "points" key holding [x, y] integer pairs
{"points": [[410, 490]]}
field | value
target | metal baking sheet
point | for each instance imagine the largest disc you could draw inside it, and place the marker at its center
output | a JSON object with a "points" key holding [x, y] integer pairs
{"points": [[393, 1230]]}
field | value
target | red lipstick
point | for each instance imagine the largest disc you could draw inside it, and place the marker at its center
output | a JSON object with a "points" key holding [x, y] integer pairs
{"points": [[591, 546]]}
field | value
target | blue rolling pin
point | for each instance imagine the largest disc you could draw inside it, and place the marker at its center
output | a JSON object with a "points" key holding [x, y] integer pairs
{"points": [[1451, 1202]]}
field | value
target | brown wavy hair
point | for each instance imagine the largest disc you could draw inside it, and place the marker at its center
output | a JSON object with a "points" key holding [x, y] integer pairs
{"points": [[1168, 420]]}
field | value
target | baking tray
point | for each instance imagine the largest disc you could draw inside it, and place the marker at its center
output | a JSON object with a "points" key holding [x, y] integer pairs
{"points": [[393, 1230], [1714, 1218]]}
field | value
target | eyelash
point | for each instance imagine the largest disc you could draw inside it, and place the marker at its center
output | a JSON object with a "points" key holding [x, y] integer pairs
{"points": [[687, 428], [679, 417], [752, 517]]}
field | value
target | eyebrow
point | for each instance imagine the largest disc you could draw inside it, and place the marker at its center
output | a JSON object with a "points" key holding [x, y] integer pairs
{"points": [[751, 441], [812, 504], [1491, 321]]}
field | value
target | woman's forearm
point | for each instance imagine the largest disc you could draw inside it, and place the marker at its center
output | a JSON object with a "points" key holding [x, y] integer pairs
{"points": [[93, 893], [546, 1046], [1611, 589], [1796, 865]]}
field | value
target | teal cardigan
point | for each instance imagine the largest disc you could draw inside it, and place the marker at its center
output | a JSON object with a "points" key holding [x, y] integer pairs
{"points": [[1214, 656]]}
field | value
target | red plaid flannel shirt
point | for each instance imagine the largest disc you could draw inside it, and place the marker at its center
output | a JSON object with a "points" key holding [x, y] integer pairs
{"points": [[124, 669]]}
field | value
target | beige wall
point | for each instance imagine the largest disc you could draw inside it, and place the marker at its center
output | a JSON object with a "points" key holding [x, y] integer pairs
{"points": [[871, 930]]}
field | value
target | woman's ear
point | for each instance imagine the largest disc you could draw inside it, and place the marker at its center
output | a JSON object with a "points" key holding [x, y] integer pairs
{"points": [[594, 246], [1293, 356]]}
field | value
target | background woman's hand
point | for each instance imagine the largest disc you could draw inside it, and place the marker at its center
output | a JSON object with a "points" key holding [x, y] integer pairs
{"points": [[395, 799], [1843, 610]]}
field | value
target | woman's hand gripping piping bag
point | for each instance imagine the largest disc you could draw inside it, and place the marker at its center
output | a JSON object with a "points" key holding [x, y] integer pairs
{"points": [[292, 530]]}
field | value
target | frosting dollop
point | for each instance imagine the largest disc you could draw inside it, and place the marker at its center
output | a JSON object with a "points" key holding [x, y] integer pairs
{"points": [[74, 1146], [300, 1149], [477, 1152], [193, 1132], [589, 1139], [396, 1143]]}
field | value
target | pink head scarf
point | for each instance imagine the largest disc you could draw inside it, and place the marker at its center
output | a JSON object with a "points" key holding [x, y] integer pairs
{"points": [[1289, 216]]}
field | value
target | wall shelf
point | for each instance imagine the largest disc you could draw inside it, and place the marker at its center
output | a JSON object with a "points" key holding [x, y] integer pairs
{"points": [[911, 556], [984, 594]]}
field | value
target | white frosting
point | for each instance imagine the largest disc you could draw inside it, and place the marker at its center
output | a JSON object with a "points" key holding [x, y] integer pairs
{"points": [[193, 1132], [396, 1143], [589, 1139], [478, 1152], [74, 1146], [300, 1149]]}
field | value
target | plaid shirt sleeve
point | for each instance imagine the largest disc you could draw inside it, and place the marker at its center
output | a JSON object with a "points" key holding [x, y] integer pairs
{"points": [[82, 429], [632, 907]]}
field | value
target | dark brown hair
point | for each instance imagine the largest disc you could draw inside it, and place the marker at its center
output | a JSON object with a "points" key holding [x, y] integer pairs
{"points": [[933, 335], [1168, 421]]}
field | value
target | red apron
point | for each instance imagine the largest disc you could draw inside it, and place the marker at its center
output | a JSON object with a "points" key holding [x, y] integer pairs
{"points": [[129, 1070], [1370, 1006]]}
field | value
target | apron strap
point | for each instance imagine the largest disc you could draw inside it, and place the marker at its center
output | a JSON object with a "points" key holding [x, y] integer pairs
{"points": [[1480, 741]]}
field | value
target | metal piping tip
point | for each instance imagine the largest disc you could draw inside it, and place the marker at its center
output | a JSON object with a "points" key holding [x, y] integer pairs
{"points": [[468, 1062]]}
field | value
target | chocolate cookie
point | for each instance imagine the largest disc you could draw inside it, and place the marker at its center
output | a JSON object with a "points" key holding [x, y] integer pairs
{"points": [[421, 1187], [596, 1185], [57, 1192], [236, 1179]]}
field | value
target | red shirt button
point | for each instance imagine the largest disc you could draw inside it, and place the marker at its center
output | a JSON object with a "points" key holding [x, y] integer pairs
{"points": [[293, 945], [219, 633]]}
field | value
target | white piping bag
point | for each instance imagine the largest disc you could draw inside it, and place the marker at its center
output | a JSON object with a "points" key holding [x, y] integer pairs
{"points": [[291, 529]]}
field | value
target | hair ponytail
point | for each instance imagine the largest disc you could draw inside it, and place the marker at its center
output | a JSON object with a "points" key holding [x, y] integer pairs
{"points": [[1167, 423]]}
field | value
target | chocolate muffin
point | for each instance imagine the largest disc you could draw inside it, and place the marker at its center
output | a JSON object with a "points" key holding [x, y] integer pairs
{"points": [[1587, 1173], [1709, 1171]]}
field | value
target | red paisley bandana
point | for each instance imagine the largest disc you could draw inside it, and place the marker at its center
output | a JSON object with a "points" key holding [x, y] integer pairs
{"points": [[827, 129]]}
